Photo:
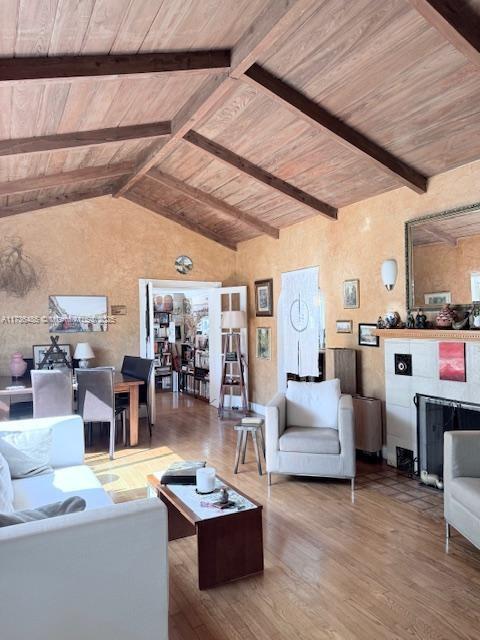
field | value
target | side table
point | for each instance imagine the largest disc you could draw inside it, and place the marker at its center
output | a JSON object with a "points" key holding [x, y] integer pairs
{"points": [[252, 426]]}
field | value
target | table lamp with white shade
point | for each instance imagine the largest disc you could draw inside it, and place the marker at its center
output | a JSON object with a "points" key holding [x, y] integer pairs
{"points": [[232, 355], [83, 353]]}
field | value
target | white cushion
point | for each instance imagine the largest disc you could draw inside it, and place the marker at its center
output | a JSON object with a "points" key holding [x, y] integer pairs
{"points": [[27, 452], [309, 440], [30, 493], [313, 404], [67, 447], [6, 487]]}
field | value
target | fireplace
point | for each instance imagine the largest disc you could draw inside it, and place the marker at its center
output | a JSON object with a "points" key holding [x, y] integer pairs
{"points": [[434, 417]]}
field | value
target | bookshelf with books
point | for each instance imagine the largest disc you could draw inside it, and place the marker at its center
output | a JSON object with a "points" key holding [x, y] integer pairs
{"points": [[195, 371], [162, 348]]}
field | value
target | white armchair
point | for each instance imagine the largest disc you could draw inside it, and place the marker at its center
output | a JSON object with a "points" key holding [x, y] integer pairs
{"points": [[461, 477], [309, 431]]}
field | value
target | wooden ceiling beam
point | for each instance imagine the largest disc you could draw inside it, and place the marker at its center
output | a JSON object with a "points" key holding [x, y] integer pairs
{"points": [[461, 30], [26, 185], [13, 70], [277, 17], [222, 207], [303, 107], [211, 91], [260, 175], [275, 20], [53, 201], [64, 141], [179, 217]]}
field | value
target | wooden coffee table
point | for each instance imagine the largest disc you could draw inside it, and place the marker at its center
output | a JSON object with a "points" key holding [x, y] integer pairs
{"points": [[229, 542]]}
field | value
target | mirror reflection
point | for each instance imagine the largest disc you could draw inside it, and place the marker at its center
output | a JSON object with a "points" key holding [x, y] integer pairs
{"points": [[444, 260]]}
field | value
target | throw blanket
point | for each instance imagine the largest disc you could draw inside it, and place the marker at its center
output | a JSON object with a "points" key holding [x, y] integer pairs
{"points": [[71, 505]]}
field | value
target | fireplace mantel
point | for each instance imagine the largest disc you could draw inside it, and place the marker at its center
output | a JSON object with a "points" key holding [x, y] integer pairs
{"points": [[429, 334], [400, 389]]}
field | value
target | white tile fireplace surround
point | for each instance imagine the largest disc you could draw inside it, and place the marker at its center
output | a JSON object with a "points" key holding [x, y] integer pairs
{"points": [[401, 414]]}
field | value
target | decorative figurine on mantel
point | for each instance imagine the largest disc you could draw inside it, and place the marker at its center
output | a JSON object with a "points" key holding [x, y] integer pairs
{"points": [[380, 323], [446, 317], [393, 320], [475, 316], [420, 320], [462, 324], [410, 321]]}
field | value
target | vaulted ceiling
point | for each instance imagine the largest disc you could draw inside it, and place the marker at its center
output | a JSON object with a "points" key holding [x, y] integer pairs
{"points": [[234, 118]]}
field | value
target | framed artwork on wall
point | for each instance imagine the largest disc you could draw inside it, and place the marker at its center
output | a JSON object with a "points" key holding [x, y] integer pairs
{"points": [[77, 314], [343, 326], [55, 360], [451, 361], [366, 337], [264, 298], [263, 342], [351, 294]]}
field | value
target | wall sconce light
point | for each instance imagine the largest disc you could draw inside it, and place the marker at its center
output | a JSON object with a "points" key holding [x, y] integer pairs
{"points": [[389, 273]]}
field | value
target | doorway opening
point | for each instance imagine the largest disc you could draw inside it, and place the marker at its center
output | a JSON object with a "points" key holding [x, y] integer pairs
{"points": [[181, 330]]}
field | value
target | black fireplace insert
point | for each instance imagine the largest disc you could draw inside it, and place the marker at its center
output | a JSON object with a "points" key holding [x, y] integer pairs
{"points": [[434, 417]]}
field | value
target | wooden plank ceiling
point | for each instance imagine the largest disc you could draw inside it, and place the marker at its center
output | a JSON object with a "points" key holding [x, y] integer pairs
{"points": [[447, 230], [234, 118]]}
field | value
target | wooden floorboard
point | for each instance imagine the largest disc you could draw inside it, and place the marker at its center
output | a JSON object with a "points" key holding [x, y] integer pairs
{"points": [[373, 570]]}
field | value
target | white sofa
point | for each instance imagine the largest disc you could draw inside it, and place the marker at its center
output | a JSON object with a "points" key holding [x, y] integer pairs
{"points": [[100, 573], [309, 431]]}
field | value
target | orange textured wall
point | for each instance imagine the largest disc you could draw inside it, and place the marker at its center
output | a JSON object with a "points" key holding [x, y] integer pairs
{"points": [[102, 247], [354, 246]]}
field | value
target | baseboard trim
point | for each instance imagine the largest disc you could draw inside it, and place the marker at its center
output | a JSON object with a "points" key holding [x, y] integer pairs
{"points": [[258, 408]]}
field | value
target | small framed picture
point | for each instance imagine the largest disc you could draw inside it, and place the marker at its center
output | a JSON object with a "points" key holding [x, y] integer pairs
{"points": [[55, 359], [451, 361], [118, 309], [441, 297], [264, 298], [163, 318], [264, 350], [366, 337], [351, 294], [344, 326]]}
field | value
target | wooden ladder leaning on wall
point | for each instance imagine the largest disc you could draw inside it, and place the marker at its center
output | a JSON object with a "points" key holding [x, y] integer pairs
{"points": [[230, 380]]}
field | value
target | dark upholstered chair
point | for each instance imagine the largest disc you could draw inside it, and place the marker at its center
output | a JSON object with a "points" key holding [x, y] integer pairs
{"points": [[96, 400], [140, 368]]}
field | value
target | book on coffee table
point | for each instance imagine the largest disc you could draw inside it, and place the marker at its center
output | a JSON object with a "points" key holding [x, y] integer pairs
{"points": [[184, 472]]}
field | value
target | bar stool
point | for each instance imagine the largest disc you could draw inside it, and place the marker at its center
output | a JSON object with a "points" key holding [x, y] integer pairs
{"points": [[252, 426]]}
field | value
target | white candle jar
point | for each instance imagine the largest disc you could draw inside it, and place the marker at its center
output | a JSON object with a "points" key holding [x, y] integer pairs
{"points": [[205, 480]]}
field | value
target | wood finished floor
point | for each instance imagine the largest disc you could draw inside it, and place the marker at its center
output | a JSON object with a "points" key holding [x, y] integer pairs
{"points": [[333, 570]]}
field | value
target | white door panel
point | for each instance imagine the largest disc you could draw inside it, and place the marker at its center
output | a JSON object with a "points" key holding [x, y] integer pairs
{"points": [[235, 299], [146, 336]]}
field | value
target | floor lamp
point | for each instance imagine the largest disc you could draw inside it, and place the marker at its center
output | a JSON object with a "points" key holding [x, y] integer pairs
{"points": [[232, 355]]}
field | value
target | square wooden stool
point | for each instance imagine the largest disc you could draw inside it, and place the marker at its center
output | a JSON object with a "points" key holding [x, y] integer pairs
{"points": [[254, 427]]}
